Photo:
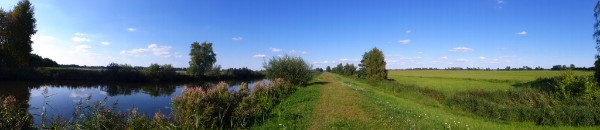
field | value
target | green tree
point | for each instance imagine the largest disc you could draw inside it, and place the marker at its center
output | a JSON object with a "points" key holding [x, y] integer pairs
{"points": [[20, 26], [203, 59], [373, 65], [572, 66], [292, 69], [3, 37], [349, 69], [38, 61], [338, 69], [328, 69], [597, 38]]}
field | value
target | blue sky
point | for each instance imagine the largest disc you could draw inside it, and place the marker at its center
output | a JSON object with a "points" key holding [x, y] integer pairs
{"points": [[411, 33]]}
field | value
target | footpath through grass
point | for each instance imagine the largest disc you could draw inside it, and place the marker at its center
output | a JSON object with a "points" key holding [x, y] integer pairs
{"points": [[336, 102]]}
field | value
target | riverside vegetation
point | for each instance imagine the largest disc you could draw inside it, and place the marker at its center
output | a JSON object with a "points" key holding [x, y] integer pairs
{"points": [[364, 97], [195, 108]]}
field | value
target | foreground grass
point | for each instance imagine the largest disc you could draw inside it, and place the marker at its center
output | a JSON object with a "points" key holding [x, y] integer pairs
{"points": [[348, 103], [296, 111]]}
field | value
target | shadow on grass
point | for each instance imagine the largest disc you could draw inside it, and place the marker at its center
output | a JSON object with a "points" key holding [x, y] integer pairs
{"points": [[317, 83], [544, 84]]}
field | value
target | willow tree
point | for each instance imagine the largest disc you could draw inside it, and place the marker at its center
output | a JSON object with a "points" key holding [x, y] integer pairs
{"points": [[203, 59], [373, 65]]}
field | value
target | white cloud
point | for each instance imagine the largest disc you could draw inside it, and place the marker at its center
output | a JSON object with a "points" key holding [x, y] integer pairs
{"points": [[131, 29], [405, 41], [408, 31], [461, 49], [322, 62], [420, 52], [500, 1], [84, 49], [80, 34], [64, 52], [105, 43], [154, 49], [344, 59], [444, 57], [522, 33], [259, 56], [238, 38], [295, 52], [80, 39], [462, 60], [275, 49], [482, 58]]}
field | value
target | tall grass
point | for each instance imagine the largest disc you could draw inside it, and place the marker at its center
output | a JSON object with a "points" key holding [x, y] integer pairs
{"points": [[568, 99], [12, 116], [217, 108]]}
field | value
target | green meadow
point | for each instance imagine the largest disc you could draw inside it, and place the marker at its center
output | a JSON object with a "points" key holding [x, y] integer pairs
{"points": [[407, 102], [451, 81]]}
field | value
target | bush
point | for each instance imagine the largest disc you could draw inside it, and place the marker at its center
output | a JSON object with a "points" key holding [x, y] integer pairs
{"points": [[12, 116], [292, 69], [568, 85]]}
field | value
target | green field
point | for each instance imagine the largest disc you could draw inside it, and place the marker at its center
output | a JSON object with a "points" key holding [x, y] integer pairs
{"points": [[455, 81], [339, 102]]}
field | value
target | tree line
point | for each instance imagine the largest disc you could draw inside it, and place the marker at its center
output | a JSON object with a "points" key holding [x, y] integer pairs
{"points": [[372, 67]]}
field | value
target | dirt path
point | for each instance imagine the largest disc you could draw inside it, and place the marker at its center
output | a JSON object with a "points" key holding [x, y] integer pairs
{"points": [[338, 107]]}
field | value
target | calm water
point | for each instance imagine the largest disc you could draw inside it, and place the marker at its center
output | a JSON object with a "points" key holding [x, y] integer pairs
{"points": [[62, 98]]}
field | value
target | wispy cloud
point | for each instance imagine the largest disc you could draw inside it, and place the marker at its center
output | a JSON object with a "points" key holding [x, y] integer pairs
{"points": [[84, 49], [80, 39], [462, 60], [80, 34], [154, 49], [500, 1], [461, 49], [522, 33], [259, 56], [105, 43], [405, 41], [238, 38], [275, 49], [444, 57], [131, 29], [296, 52], [482, 58], [408, 31]]}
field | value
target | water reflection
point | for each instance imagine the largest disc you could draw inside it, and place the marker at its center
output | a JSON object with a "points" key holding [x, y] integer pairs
{"points": [[147, 98]]}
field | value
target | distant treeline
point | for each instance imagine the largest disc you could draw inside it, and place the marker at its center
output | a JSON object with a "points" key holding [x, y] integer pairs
{"points": [[555, 67], [118, 73]]}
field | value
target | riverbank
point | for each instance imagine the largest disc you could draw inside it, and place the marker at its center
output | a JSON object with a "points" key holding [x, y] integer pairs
{"points": [[58, 74]]}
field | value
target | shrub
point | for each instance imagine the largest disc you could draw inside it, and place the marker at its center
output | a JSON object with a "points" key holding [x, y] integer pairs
{"points": [[12, 116], [293, 69], [568, 85]]}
